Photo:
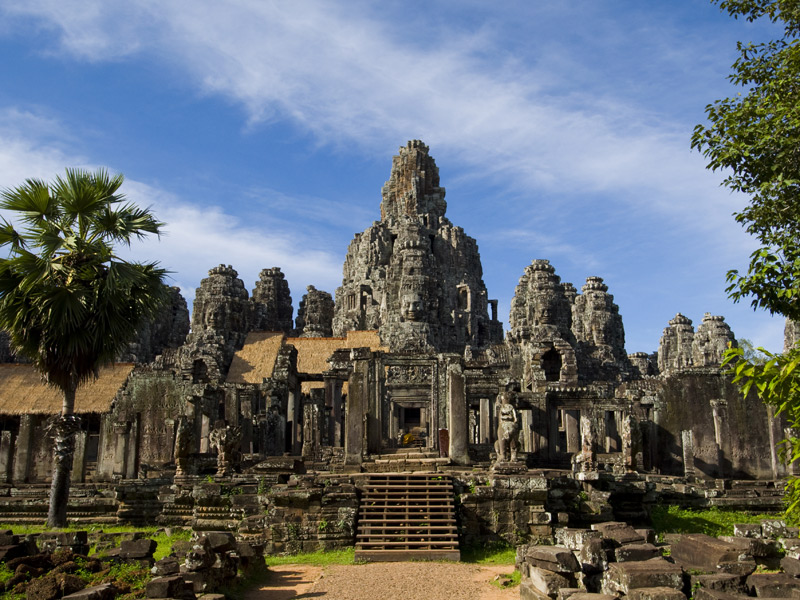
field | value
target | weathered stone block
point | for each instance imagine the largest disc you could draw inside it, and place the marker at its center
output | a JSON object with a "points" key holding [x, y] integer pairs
{"points": [[704, 551], [623, 577], [636, 552], [773, 528], [773, 585], [104, 591], [648, 534], [166, 566], [721, 582], [590, 596], [553, 558], [791, 566], [710, 594], [565, 593], [137, 549], [618, 533], [171, 586], [656, 593], [747, 530], [575, 538], [546, 582]]}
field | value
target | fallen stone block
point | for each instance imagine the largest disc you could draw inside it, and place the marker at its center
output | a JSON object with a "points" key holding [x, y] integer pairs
{"points": [[657, 572], [742, 568], [171, 586], [755, 547], [636, 552], [104, 591], [137, 549], [565, 593], [553, 558], [790, 566], [708, 594], [590, 596], [618, 533], [575, 538], [656, 593], [546, 582], [774, 528], [704, 551], [648, 534], [721, 582], [747, 530], [773, 585], [594, 556]]}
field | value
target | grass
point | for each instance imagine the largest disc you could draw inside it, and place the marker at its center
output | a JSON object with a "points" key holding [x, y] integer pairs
{"points": [[498, 553], [345, 556], [712, 521], [507, 581], [164, 542]]}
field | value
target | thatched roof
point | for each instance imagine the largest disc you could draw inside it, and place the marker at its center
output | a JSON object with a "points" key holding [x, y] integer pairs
{"points": [[313, 353], [256, 360], [22, 391]]}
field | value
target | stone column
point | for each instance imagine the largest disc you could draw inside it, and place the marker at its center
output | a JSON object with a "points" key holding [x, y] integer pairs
{"points": [[457, 405], [22, 454], [687, 440], [354, 423], [588, 440], [121, 449], [5, 456], [526, 431], [132, 451], [79, 457], [721, 437], [485, 425], [572, 427], [552, 433]]}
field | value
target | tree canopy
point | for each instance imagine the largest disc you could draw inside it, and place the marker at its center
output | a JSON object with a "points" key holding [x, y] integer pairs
{"points": [[754, 137], [67, 301]]}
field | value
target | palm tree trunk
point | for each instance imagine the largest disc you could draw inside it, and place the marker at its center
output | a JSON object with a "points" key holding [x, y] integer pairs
{"points": [[62, 461]]}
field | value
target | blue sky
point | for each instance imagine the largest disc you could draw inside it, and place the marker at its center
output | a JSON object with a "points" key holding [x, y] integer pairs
{"points": [[262, 132]]}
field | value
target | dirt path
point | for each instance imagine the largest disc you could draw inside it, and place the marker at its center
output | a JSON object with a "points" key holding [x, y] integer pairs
{"points": [[387, 581]]}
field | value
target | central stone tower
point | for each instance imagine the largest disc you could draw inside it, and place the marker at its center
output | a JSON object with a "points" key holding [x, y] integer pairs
{"points": [[413, 275]]}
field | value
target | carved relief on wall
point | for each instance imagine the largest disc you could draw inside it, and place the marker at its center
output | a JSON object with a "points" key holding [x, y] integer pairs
{"points": [[408, 374]]}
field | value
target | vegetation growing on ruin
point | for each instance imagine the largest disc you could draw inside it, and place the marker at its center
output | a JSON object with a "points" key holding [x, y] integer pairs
{"points": [[344, 556], [713, 521]]}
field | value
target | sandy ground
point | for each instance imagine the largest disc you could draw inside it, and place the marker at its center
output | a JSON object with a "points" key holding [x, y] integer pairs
{"points": [[385, 581]]}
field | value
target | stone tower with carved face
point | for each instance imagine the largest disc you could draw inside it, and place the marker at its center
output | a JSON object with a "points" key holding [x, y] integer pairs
{"points": [[413, 275]]}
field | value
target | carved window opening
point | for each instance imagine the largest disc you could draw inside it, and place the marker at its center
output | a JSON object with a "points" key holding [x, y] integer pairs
{"points": [[551, 364], [200, 372], [613, 441], [411, 417], [351, 301], [91, 424], [463, 298], [433, 239]]}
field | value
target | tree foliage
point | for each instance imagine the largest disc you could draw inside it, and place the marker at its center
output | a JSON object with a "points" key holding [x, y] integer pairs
{"points": [[67, 301], [754, 137]]}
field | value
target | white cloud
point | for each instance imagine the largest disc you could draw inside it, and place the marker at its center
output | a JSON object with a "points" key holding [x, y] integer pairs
{"points": [[196, 238]]}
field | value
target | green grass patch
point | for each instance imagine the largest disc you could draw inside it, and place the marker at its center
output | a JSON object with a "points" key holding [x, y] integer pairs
{"points": [[509, 580], [345, 556], [498, 553], [712, 521]]}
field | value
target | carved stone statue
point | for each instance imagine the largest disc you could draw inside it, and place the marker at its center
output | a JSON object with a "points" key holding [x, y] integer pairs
{"points": [[184, 444], [507, 429], [225, 439]]}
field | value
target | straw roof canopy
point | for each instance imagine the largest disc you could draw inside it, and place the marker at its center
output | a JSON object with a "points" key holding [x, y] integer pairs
{"points": [[256, 360], [22, 391]]}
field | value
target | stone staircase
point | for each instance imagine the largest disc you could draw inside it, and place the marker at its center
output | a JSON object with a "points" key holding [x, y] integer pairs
{"points": [[405, 459], [406, 516]]}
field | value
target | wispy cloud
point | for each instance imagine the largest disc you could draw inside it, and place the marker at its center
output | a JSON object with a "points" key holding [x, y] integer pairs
{"points": [[196, 238]]}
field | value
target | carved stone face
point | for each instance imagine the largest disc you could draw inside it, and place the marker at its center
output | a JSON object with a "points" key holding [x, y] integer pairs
{"points": [[545, 310], [413, 307]]}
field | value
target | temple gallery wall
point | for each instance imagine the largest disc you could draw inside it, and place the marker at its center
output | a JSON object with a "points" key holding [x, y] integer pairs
{"points": [[407, 355]]}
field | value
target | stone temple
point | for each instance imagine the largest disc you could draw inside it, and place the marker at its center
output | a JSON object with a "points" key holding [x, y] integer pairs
{"points": [[405, 368]]}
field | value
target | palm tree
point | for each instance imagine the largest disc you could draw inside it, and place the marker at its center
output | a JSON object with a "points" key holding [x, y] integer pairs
{"points": [[68, 303]]}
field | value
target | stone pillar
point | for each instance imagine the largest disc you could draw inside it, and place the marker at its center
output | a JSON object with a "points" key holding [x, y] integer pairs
{"points": [[572, 427], [588, 433], [687, 440], [553, 433], [5, 456], [121, 449], [457, 405], [354, 424], [311, 429], [719, 409], [333, 400], [205, 429], [526, 431], [485, 426], [22, 454], [132, 451], [79, 457]]}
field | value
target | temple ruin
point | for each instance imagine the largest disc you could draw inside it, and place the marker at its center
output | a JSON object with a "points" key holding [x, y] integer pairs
{"points": [[405, 368]]}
